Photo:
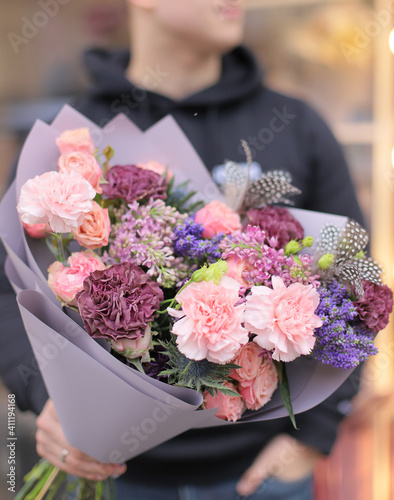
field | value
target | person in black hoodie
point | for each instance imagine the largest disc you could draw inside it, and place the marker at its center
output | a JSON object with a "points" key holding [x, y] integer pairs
{"points": [[187, 61]]}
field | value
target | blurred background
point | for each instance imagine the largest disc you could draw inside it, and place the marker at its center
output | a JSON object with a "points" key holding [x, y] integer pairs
{"points": [[334, 54]]}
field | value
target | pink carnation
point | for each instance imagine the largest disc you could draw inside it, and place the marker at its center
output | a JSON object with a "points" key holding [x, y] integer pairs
{"points": [[84, 164], [216, 217], [59, 199], [283, 318], [67, 281], [95, 228], [211, 323], [230, 407], [75, 140]]}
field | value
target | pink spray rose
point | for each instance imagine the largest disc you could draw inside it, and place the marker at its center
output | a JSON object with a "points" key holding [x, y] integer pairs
{"points": [[211, 323], [230, 407], [85, 164], [257, 378], [134, 348], [236, 268], [216, 217], [249, 358], [258, 392], [60, 199], [75, 140], [37, 231], [95, 228], [283, 318], [67, 281]]}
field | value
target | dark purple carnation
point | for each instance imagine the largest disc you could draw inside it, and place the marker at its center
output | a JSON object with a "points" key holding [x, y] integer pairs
{"points": [[130, 183], [374, 310], [118, 302], [276, 222]]}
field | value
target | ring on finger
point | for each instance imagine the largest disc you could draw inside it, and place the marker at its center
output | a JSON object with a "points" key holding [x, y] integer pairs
{"points": [[63, 455]]}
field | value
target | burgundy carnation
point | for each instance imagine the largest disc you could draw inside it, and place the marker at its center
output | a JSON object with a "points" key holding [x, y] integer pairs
{"points": [[276, 222], [133, 183], [374, 310], [118, 302]]}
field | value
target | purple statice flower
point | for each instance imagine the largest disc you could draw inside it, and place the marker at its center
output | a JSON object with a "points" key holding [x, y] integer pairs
{"points": [[188, 242], [144, 236], [341, 341], [261, 257], [277, 222], [300, 271]]}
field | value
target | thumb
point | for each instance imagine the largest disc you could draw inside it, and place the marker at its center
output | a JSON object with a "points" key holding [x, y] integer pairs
{"points": [[253, 477], [263, 465]]}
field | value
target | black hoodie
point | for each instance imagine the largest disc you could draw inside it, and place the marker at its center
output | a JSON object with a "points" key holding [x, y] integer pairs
{"points": [[283, 133]]}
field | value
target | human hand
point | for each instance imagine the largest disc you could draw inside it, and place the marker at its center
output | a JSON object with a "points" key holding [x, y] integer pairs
{"points": [[284, 458], [51, 443]]}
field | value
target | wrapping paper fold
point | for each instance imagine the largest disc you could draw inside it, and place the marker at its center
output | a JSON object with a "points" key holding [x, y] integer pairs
{"points": [[107, 409]]}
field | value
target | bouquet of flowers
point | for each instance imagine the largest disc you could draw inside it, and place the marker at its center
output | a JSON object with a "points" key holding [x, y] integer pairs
{"points": [[207, 301]]}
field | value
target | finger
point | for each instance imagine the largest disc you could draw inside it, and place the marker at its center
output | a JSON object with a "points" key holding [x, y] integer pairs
{"points": [[51, 442], [250, 481], [262, 466], [77, 463]]}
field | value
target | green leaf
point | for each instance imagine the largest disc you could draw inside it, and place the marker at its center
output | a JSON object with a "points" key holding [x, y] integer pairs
{"points": [[285, 390]]}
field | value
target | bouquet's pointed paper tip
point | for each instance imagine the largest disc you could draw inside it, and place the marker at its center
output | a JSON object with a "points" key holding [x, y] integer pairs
{"points": [[183, 158], [69, 118]]}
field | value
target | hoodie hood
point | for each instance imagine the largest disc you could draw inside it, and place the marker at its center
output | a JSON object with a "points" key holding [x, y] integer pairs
{"points": [[240, 76], [197, 114]]}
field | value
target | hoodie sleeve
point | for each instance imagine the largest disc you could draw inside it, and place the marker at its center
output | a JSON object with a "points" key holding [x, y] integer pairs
{"points": [[18, 367], [318, 427], [330, 187]]}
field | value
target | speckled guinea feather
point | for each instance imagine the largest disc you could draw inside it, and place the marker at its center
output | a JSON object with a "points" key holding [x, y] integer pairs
{"points": [[272, 187], [349, 264]]}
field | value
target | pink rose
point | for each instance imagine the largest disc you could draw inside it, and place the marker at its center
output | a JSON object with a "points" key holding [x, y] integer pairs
{"points": [[84, 164], [154, 166], [95, 228], [236, 268], [230, 407], [66, 282], [37, 230], [249, 358], [134, 348], [59, 199], [257, 392], [75, 140], [211, 323], [283, 318], [216, 217]]}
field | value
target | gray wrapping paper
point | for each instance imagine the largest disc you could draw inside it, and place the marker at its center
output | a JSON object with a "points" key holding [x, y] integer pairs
{"points": [[107, 409]]}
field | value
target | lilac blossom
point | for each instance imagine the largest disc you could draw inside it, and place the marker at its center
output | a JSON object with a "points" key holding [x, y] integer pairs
{"points": [[263, 259], [145, 236]]}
